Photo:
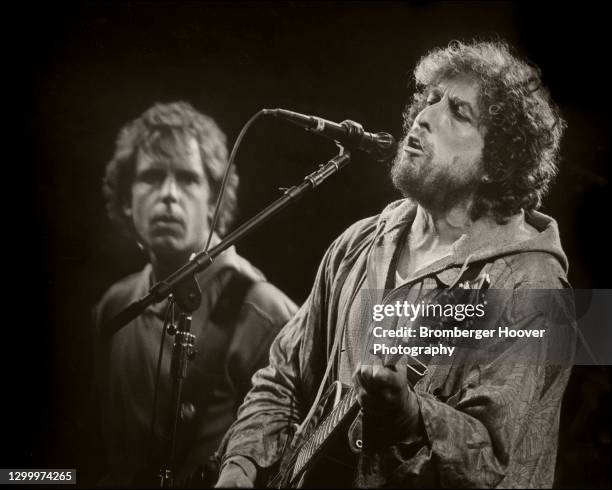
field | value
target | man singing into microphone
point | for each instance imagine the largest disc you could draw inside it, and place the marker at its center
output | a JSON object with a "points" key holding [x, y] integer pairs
{"points": [[479, 152], [161, 188]]}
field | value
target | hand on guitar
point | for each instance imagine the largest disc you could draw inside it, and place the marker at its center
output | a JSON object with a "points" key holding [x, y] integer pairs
{"points": [[389, 405]]}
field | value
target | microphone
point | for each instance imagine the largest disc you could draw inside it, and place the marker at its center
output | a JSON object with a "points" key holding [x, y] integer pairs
{"points": [[349, 133]]}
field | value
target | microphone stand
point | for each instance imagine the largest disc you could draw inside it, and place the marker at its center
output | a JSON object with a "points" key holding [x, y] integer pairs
{"points": [[184, 287], [202, 260], [188, 297]]}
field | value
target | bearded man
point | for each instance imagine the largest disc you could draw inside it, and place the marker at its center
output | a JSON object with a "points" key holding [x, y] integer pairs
{"points": [[479, 152]]}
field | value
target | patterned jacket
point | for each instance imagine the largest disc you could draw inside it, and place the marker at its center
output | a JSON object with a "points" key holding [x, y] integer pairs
{"points": [[484, 421]]}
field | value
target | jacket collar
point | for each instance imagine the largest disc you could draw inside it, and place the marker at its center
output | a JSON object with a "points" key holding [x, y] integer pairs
{"points": [[486, 239]]}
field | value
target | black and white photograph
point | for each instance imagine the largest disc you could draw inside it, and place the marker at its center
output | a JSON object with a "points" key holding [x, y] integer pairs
{"points": [[310, 244]]}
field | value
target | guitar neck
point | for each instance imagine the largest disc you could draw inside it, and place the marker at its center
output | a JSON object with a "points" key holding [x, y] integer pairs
{"points": [[347, 406]]}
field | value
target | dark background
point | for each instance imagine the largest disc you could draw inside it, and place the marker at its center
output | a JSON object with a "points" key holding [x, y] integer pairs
{"points": [[90, 68]]}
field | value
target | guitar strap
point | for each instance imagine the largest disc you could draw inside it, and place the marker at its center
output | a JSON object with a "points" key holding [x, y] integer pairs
{"points": [[471, 272], [465, 279], [231, 298], [225, 312]]}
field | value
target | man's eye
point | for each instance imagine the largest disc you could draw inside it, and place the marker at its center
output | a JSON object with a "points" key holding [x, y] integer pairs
{"points": [[432, 99], [456, 110], [189, 179], [151, 177]]}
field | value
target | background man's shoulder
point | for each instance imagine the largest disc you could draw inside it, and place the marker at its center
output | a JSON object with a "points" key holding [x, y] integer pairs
{"points": [[121, 294]]}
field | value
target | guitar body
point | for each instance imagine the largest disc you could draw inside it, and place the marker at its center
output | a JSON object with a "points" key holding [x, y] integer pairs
{"points": [[335, 469], [333, 463]]}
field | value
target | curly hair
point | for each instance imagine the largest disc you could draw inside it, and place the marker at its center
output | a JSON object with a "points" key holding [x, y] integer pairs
{"points": [[176, 121], [524, 127]]}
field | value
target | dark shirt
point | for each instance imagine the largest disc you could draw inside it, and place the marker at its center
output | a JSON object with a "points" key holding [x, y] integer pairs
{"points": [[230, 346]]}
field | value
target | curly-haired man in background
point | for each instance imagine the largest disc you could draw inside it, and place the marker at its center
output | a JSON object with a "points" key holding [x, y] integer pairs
{"points": [[161, 188], [479, 152]]}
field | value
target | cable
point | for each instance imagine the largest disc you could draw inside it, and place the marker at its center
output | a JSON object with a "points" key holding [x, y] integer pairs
{"points": [[228, 166], [168, 313]]}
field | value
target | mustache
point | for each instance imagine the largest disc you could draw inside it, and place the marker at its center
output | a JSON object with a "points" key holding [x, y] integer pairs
{"points": [[417, 139]]}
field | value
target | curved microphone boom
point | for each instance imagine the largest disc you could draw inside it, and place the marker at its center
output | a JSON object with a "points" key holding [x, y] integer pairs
{"points": [[349, 133]]}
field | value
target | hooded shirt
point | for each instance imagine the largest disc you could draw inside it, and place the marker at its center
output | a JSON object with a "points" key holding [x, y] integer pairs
{"points": [[233, 330], [484, 420]]}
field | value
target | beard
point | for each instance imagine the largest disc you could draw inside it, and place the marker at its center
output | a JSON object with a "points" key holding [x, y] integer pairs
{"points": [[435, 187]]}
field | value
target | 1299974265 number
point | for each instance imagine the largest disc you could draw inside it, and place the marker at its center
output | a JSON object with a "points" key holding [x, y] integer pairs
{"points": [[29, 476]]}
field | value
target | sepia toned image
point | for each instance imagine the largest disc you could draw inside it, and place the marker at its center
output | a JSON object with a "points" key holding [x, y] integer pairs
{"points": [[314, 244]]}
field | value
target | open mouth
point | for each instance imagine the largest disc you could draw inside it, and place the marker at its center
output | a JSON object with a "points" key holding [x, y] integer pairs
{"points": [[413, 146], [414, 143]]}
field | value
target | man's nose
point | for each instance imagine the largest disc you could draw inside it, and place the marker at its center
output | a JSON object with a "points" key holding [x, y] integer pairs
{"points": [[169, 190], [427, 117]]}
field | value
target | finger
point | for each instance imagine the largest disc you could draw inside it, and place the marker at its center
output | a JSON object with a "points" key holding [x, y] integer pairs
{"points": [[362, 374], [402, 371], [383, 377], [368, 378], [391, 367], [365, 387]]}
